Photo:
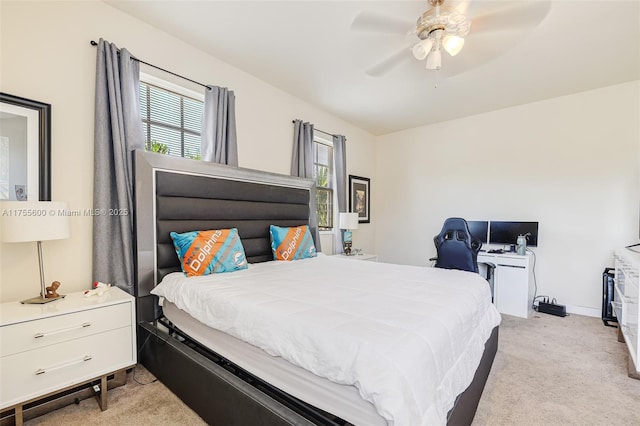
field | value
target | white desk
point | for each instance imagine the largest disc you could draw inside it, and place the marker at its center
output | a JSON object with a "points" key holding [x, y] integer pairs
{"points": [[513, 286]]}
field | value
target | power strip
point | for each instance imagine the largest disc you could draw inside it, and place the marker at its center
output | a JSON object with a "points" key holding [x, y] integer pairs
{"points": [[553, 309]]}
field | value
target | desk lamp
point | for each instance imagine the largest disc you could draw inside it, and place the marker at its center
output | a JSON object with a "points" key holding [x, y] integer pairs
{"points": [[348, 221], [29, 221]]}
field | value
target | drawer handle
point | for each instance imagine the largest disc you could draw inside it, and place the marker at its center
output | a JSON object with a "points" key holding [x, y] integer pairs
{"points": [[512, 266], [62, 330], [63, 365]]}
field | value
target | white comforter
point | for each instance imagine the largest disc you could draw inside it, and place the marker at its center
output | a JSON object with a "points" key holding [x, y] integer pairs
{"points": [[409, 338]]}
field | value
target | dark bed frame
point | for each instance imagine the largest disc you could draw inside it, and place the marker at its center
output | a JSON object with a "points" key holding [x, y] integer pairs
{"points": [[175, 194]]}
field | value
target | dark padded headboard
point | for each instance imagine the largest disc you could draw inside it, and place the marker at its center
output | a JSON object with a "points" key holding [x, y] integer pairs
{"points": [[192, 203], [181, 195]]}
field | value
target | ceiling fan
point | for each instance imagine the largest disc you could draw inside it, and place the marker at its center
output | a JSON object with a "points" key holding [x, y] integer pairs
{"points": [[491, 27]]}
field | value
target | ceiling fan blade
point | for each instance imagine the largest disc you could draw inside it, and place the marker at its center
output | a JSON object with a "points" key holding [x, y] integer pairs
{"points": [[511, 16], [480, 49], [461, 6], [390, 62], [373, 22]]}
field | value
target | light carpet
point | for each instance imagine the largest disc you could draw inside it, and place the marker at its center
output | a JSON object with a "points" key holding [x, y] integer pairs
{"points": [[548, 371]]}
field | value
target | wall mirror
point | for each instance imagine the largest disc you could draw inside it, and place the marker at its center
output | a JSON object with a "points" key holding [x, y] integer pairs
{"points": [[25, 149]]}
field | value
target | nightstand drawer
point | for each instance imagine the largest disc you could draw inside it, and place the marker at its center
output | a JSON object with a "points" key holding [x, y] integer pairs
{"points": [[36, 334], [30, 374]]}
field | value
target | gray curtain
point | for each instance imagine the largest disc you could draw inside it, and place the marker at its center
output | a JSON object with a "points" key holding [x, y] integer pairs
{"points": [[118, 131], [340, 168], [302, 165], [219, 141]]}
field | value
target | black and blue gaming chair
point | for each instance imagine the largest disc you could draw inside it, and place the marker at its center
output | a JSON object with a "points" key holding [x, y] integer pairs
{"points": [[456, 247]]}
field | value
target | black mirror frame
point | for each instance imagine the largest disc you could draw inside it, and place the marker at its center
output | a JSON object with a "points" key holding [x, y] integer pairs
{"points": [[44, 140]]}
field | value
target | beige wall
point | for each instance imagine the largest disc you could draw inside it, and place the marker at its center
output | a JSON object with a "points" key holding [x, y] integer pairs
{"points": [[570, 163], [46, 56]]}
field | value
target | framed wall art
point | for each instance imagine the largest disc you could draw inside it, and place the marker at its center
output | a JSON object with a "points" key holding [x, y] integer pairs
{"points": [[25, 149], [360, 197]]}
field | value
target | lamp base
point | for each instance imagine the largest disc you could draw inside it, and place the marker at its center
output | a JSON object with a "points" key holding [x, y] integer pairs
{"points": [[39, 300]]}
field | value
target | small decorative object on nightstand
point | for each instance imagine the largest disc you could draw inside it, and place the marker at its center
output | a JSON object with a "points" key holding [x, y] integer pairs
{"points": [[28, 221], [98, 289], [348, 221], [52, 290]]}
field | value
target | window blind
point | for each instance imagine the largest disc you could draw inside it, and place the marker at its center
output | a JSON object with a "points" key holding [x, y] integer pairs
{"points": [[171, 119]]}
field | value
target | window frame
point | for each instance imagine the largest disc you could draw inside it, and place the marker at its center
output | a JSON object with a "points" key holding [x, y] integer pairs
{"points": [[331, 187], [181, 91]]}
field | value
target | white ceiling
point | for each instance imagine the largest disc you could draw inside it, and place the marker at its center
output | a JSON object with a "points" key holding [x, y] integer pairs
{"points": [[308, 49]]}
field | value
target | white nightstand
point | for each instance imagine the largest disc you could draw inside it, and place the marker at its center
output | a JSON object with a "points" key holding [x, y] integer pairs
{"points": [[46, 349], [364, 256]]}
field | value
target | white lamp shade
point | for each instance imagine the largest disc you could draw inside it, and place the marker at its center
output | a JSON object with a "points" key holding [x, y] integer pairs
{"points": [[434, 60], [348, 220], [422, 49], [23, 221], [453, 44]]}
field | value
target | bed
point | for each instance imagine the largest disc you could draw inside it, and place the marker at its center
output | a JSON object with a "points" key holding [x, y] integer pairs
{"points": [[230, 376]]}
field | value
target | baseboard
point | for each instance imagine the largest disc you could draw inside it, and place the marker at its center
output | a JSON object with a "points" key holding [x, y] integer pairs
{"points": [[582, 310]]}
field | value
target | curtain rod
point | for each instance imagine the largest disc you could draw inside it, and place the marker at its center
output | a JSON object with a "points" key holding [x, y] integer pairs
{"points": [[93, 43], [318, 130]]}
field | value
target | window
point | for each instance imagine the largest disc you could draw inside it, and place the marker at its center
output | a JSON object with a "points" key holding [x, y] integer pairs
{"points": [[172, 120], [324, 177]]}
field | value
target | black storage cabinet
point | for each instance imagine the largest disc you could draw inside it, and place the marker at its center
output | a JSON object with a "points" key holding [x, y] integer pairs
{"points": [[608, 291]]}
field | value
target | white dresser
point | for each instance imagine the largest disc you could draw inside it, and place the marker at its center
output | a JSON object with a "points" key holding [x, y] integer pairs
{"points": [[627, 308], [45, 349]]}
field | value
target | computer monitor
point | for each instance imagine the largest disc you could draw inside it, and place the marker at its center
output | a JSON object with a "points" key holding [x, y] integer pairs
{"points": [[479, 229], [507, 232]]}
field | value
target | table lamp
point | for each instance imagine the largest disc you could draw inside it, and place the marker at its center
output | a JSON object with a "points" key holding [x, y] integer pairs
{"points": [[29, 221], [348, 221]]}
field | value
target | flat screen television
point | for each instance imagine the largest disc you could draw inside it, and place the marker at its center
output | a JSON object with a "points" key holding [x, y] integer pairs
{"points": [[507, 232], [479, 229]]}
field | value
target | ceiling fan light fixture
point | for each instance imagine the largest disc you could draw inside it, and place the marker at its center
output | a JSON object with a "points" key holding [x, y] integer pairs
{"points": [[434, 60], [446, 29], [422, 49], [453, 44]]}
